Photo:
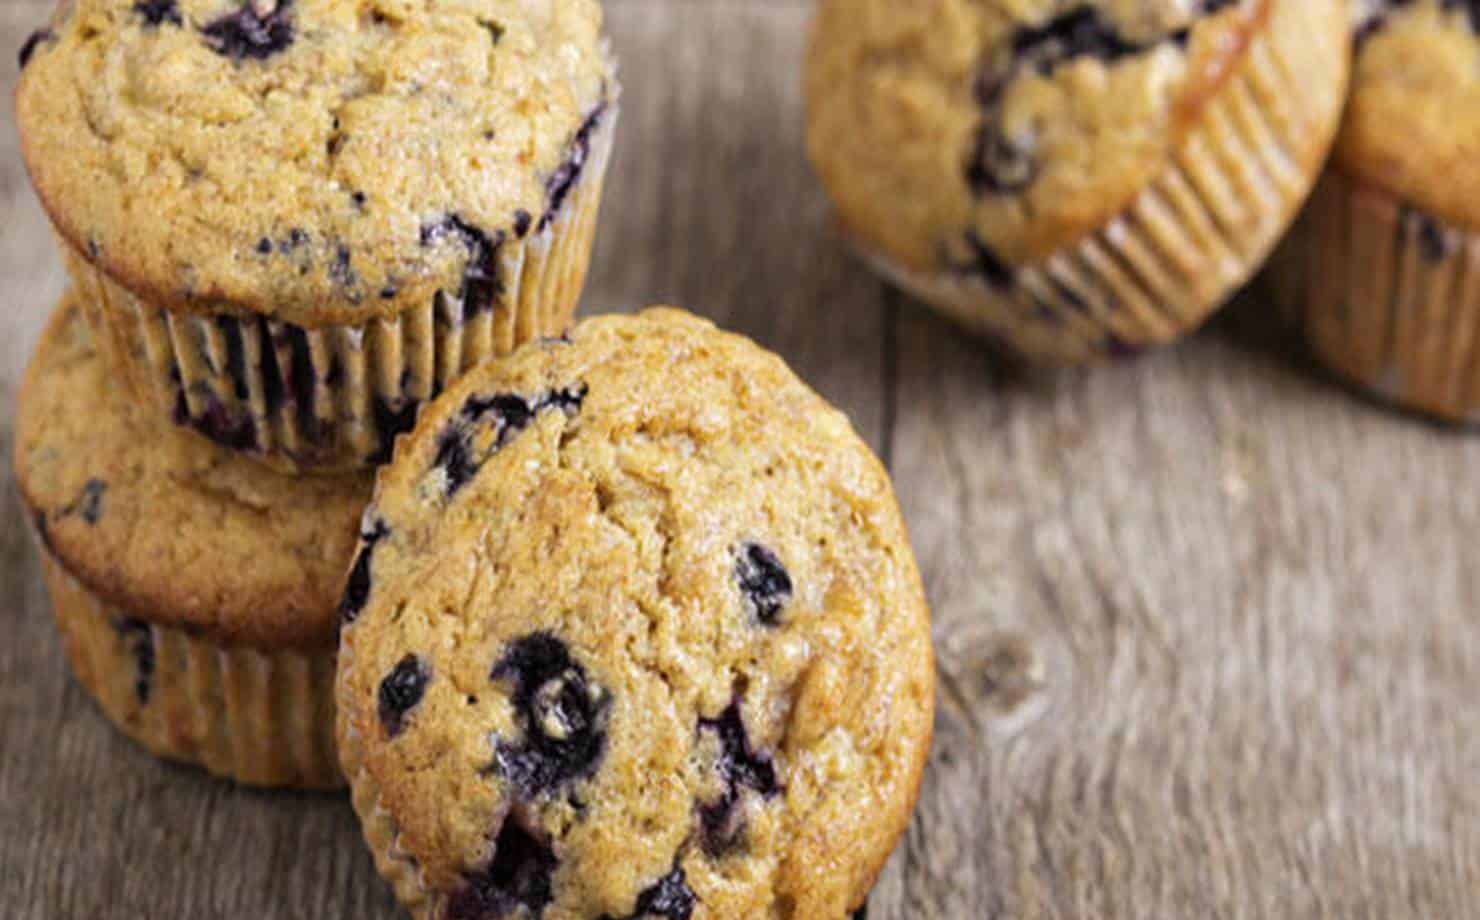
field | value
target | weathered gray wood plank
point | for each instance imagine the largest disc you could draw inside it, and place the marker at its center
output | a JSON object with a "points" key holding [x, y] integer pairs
{"points": [[1249, 608]]}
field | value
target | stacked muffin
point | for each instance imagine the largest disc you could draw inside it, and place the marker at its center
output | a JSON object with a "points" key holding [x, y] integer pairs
{"points": [[288, 223], [195, 590]]}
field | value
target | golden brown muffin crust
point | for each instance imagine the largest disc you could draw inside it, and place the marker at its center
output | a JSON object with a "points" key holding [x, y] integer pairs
{"points": [[176, 532], [1412, 127], [304, 158], [638, 612]]}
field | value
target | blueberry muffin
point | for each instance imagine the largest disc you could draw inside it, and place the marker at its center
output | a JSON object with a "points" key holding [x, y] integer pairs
{"points": [[295, 220], [635, 631], [1383, 270], [195, 590], [1076, 179]]}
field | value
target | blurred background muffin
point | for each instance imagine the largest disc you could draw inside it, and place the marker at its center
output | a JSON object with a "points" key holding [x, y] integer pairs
{"points": [[1077, 180], [1383, 270]]}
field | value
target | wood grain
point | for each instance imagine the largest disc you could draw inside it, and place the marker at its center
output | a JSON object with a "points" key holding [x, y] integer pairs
{"points": [[1207, 625]]}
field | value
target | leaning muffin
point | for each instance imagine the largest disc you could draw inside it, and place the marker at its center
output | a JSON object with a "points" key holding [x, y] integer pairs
{"points": [[295, 220], [195, 590], [1077, 180], [635, 630], [1383, 270]]}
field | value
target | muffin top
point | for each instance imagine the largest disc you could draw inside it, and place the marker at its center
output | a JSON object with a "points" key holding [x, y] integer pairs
{"points": [[636, 631], [948, 128], [319, 161], [175, 532], [1413, 124]]}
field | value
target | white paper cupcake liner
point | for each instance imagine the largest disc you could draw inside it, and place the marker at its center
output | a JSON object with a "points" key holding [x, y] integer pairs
{"points": [[1387, 296], [256, 717]]}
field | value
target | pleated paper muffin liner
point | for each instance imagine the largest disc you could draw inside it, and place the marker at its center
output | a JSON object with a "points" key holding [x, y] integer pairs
{"points": [[1200, 229], [257, 717], [1387, 296], [333, 399]]}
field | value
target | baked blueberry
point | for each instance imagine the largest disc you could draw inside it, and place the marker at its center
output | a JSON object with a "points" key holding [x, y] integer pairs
{"points": [[669, 898], [89, 504], [568, 400], [342, 270], [159, 12], [999, 164], [400, 692], [138, 636], [508, 414], [454, 458], [517, 878], [29, 46], [357, 591], [257, 30], [512, 413], [561, 713], [481, 285], [1079, 32], [740, 768], [764, 583], [558, 186]]}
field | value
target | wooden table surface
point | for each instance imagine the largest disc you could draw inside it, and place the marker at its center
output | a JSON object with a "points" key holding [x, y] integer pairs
{"points": [[1207, 625]]}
